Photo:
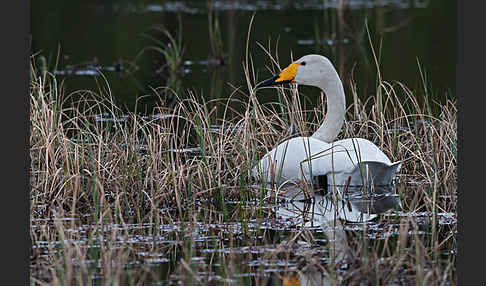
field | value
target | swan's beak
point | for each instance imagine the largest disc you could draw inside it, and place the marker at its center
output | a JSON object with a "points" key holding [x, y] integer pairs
{"points": [[287, 75]]}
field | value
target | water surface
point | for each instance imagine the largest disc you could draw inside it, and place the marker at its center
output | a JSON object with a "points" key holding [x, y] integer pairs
{"points": [[93, 36]]}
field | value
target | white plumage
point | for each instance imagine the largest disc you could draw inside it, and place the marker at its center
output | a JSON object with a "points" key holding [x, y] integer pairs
{"points": [[303, 158]]}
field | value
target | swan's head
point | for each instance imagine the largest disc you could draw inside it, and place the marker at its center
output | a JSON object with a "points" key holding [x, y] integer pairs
{"points": [[314, 70]]}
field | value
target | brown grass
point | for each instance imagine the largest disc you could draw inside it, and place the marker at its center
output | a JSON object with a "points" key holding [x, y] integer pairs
{"points": [[106, 176]]}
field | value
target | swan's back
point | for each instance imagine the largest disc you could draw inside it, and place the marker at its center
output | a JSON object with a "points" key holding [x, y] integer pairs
{"points": [[303, 158]]}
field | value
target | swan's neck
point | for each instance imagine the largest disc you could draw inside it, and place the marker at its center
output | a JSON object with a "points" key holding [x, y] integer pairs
{"points": [[336, 107]]}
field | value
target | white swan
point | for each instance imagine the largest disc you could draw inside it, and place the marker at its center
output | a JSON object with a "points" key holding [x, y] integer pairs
{"points": [[304, 159]]}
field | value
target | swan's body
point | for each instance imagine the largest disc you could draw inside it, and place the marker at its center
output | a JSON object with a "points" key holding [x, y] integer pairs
{"points": [[303, 158]]}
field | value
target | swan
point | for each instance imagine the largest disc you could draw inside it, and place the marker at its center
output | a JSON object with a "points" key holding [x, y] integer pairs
{"points": [[351, 161]]}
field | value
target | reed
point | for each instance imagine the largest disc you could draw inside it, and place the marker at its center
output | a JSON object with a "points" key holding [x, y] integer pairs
{"points": [[215, 37], [172, 48], [107, 185]]}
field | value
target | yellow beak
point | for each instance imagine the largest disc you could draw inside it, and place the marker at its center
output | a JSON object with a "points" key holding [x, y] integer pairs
{"points": [[287, 75]]}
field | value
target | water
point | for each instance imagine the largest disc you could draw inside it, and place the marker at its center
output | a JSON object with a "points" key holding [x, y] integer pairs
{"points": [[93, 37], [261, 250]]}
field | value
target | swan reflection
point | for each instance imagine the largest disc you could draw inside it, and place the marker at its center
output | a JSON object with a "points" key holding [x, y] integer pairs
{"points": [[353, 204]]}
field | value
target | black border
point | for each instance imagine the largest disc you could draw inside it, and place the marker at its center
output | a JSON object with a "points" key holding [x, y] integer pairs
{"points": [[459, 89], [470, 96], [15, 210]]}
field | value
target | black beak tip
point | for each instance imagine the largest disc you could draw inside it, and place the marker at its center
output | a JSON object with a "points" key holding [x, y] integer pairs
{"points": [[267, 82]]}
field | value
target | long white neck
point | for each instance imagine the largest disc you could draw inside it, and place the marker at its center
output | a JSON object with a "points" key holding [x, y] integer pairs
{"points": [[336, 108]]}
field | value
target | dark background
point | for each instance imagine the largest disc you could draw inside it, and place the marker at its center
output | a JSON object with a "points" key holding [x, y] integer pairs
{"points": [[404, 34]]}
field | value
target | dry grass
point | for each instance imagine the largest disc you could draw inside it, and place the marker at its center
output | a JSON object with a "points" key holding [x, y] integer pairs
{"points": [[118, 170]]}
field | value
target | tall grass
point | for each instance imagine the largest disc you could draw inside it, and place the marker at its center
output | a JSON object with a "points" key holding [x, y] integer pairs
{"points": [[215, 37], [170, 46], [118, 170]]}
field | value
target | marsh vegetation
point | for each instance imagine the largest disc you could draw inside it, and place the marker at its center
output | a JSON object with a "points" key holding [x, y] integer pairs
{"points": [[166, 197]]}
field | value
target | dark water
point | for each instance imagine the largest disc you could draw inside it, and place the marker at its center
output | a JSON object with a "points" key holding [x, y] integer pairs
{"points": [[108, 35], [241, 252]]}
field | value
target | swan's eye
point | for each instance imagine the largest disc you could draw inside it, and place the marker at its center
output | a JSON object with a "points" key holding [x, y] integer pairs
{"points": [[302, 63]]}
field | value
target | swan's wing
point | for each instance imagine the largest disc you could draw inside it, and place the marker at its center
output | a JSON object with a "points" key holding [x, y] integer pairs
{"points": [[357, 160], [304, 158], [373, 173]]}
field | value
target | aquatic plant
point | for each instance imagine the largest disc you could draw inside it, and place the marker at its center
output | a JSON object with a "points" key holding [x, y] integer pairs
{"points": [[123, 198], [215, 37], [172, 50]]}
